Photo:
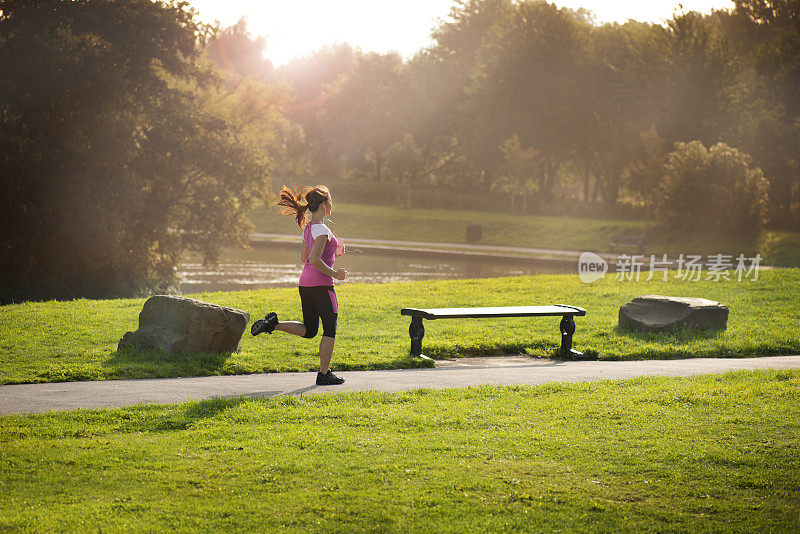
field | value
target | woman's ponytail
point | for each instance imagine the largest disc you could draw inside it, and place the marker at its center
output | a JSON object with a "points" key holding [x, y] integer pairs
{"points": [[290, 201]]}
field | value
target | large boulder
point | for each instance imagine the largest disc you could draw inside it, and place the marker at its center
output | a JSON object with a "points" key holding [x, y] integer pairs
{"points": [[657, 313], [178, 324]]}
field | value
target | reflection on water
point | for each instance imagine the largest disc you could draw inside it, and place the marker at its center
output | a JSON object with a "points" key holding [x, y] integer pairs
{"points": [[280, 267]]}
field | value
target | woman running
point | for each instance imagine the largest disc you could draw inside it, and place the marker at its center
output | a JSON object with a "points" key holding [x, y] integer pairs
{"points": [[320, 249]]}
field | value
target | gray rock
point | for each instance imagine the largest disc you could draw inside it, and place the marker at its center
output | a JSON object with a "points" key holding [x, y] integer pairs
{"points": [[657, 313], [178, 324]]}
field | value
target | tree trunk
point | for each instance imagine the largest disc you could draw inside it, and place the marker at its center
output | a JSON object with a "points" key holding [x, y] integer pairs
{"points": [[378, 161], [586, 179], [547, 179], [796, 216], [612, 190], [595, 189], [787, 201], [611, 193]]}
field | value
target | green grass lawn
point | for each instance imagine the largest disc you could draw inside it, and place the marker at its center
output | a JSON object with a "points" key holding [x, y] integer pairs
{"points": [[77, 340], [519, 230], [718, 453]]}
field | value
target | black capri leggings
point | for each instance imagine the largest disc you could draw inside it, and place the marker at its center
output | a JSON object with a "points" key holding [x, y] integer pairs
{"points": [[319, 302]]}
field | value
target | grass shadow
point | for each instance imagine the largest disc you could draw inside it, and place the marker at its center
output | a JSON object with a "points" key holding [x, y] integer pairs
{"points": [[403, 361], [539, 348], [155, 418], [208, 408], [137, 363], [683, 335]]}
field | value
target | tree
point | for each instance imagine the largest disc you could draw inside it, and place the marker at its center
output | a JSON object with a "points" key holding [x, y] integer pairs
{"points": [[518, 178], [645, 175], [364, 113], [525, 85], [121, 147], [700, 73], [313, 81], [404, 161], [238, 55], [766, 35], [414, 168], [442, 72], [620, 81]]}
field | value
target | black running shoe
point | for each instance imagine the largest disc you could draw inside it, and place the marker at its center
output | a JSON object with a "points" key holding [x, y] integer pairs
{"points": [[267, 324], [329, 379]]}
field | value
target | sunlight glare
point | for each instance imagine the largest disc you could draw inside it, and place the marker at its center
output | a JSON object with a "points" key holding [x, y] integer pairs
{"points": [[297, 28]]}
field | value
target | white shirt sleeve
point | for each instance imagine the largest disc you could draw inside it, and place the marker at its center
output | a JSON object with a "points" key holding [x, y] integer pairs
{"points": [[320, 229]]}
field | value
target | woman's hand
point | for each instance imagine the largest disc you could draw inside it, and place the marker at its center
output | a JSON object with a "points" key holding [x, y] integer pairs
{"points": [[341, 274]]}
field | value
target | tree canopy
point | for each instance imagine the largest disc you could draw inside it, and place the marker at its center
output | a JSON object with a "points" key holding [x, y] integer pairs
{"points": [[121, 146], [130, 132], [589, 99]]}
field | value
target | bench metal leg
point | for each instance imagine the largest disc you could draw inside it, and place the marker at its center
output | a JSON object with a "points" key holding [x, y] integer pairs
{"points": [[417, 332], [567, 327]]}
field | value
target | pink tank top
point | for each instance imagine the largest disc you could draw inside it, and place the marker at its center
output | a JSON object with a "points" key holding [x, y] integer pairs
{"points": [[311, 276]]}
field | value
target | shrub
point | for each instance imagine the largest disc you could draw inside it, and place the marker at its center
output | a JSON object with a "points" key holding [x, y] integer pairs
{"points": [[714, 190]]}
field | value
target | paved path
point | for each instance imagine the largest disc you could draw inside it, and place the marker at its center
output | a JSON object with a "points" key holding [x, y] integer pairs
{"points": [[33, 398], [415, 245]]}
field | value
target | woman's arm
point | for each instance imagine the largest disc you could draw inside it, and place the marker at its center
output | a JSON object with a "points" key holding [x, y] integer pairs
{"points": [[316, 256], [303, 253], [316, 259]]}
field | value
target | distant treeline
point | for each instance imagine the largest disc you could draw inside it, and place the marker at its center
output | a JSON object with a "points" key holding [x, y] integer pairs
{"points": [[547, 108], [130, 132]]}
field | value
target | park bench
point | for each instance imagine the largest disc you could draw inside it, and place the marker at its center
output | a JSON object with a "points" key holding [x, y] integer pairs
{"points": [[567, 324], [627, 241]]}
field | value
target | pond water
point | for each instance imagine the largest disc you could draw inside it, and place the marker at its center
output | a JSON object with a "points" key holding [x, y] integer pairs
{"points": [[279, 266]]}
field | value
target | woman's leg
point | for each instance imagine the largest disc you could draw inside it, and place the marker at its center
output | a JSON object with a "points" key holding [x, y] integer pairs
{"points": [[310, 325], [329, 313], [325, 353], [292, 327], [318, 303]]}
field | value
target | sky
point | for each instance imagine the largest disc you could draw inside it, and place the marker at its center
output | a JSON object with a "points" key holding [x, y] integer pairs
{"points": [[295, 28]]}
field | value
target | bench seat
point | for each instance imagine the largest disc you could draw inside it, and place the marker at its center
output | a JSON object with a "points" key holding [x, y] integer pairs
{"points": [[504, 311], [567, 325]]}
